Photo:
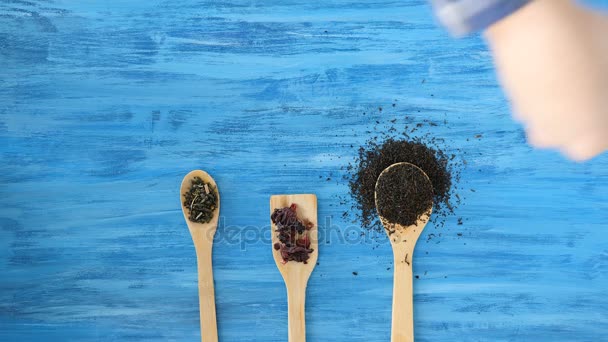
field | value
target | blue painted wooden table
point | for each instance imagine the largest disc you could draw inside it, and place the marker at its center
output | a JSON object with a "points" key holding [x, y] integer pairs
{"points": [[104, 106]]}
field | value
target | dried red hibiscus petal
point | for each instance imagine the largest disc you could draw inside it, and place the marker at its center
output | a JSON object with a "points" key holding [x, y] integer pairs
{"points": [[303, 241], [292, 233], [308, 224], [295, 253]]}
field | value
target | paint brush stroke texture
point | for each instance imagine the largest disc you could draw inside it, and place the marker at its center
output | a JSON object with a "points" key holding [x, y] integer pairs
{"points": [[104, 106]]}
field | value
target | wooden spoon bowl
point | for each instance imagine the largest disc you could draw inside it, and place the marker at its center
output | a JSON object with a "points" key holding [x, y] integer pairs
{"points": [[202, 236]]}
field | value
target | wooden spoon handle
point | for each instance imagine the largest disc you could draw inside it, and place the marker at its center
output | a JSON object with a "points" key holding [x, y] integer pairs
{"points": [[403, 300], [296, 303], [206, 295]]}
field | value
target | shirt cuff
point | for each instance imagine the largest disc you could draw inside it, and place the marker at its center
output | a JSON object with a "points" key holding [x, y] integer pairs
{"points": [[462, 17]]}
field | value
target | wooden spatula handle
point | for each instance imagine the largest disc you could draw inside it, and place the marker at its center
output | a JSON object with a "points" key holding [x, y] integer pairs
{"points": [[206, 294], [403, 300], [296, 302]]}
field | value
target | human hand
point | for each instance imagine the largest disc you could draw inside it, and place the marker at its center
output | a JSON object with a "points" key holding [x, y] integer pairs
{"points": [[552, 60]]}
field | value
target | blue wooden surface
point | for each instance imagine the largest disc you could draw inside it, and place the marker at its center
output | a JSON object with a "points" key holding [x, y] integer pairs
{"points": [[104, 106]]}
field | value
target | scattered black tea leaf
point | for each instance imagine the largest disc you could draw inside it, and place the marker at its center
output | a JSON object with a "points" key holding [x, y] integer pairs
{"points": [[201, 201], [293, 235], [403, 194]]}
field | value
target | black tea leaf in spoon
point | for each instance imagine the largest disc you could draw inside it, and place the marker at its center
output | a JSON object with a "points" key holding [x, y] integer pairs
{"points": [[404, 194]]}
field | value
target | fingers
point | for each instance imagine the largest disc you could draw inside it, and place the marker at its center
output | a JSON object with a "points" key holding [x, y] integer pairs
{"points": [[540, 139], [584, 148], [578, 148]]}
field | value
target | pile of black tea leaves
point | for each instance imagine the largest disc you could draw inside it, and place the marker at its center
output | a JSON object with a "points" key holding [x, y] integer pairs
{"points": [[201, 201], [375, 156], [293, 235]]}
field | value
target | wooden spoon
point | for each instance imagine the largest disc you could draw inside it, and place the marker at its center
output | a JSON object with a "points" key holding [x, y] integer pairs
{"points": [[296, 274], [202, 236], [403, 240]]}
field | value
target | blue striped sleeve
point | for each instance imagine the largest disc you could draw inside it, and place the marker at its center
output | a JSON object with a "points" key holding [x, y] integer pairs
{"points": [[462, 17]]}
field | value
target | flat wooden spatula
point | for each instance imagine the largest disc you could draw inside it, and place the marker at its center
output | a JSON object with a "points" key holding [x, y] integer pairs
{"points": [[296, 274]]}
